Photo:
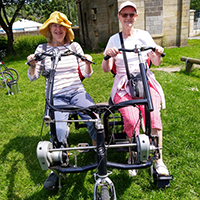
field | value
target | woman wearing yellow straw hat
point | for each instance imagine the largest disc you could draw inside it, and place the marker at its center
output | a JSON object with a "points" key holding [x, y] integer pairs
{"points": [[68, 88]]}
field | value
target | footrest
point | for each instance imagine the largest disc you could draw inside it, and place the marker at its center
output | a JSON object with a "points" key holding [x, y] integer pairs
{"points": [[83, 145], [162, 181]]}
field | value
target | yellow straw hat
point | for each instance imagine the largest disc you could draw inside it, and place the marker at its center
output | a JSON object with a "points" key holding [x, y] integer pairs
{"points": [[57, 18]]}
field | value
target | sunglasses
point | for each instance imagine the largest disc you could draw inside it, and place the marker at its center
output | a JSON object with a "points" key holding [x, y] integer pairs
{"points": [[125, 15]]}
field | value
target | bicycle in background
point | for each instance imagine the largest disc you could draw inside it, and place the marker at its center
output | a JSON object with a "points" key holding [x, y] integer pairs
{"points": [[12, 71], [5, 79]]}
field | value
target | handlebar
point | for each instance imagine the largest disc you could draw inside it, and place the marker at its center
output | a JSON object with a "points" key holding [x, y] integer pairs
{"points": [[69, 52], [40, 56], [135, 50]]}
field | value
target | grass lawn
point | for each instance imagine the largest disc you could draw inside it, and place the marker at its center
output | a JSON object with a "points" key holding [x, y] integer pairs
{"points": [[20, 127]]}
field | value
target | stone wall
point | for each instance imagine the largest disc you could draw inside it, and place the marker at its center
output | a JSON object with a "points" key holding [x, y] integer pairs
{"points": [[97, 21], [154, 16], [20, 33], [166, 20], [175, 22]]}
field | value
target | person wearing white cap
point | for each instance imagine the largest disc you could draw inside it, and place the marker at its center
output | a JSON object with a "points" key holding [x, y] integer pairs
{"points": [[120, 92], [68, 88]]}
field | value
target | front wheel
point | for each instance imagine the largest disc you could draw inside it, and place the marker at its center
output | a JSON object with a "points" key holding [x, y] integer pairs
{"points": [[105, 192]]}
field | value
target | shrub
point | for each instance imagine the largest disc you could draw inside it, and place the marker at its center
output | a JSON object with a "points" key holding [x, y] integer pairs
{"points": [[3, 42], [25, 45]]}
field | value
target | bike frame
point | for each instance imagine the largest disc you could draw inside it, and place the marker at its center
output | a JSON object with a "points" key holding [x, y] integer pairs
{"points": [[101, 130]]}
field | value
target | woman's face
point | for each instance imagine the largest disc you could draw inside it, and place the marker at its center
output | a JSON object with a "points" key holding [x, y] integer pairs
{"points": [[58, 33], [127, 17]]}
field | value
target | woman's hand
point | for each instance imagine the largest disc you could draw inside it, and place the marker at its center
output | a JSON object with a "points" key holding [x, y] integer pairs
{"points": [[112, 52], [88, 57], [158, 50], [108, 64], [33, 62], [88, 68], [155, 57]]}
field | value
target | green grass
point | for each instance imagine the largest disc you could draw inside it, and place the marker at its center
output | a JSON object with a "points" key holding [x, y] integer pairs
{"points": [[20, 125], [173, 55]]}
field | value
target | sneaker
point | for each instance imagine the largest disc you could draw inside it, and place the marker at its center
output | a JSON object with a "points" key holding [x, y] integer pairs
{"points": [[161, 169], [132, 172], [52, 182]]}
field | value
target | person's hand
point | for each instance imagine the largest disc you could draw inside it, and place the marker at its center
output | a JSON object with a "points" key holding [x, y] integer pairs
{"points": [[112, 52], [158, 50], [88, 57], [156, 57], [33, 62]]}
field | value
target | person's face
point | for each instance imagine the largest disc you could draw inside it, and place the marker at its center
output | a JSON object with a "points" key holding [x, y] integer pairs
{"points": [[58, 33], [127, 17]]}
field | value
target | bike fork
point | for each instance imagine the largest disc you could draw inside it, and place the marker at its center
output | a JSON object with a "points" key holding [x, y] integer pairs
{"points": [[103, 179]]}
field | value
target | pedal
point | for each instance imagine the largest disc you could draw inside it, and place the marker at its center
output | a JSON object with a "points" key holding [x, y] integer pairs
{"points": [[162, 181], [83, 145]]}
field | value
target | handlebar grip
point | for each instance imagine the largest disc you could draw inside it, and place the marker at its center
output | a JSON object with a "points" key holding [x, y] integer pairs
{"points": [[107, 57], [162, 55]]}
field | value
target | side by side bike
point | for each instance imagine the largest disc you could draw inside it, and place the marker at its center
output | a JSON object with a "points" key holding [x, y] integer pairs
{"points": [[52, 156]]}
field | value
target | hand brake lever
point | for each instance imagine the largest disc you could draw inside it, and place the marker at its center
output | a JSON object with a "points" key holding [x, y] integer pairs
{"points": [[69, 52]]}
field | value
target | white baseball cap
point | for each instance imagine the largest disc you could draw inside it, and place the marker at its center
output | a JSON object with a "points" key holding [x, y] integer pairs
{"points": [[127, 4]]}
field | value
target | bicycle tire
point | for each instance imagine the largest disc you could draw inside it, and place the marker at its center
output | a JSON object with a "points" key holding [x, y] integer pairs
{"points": [[8, 77], [13, 72], [105, 192]]}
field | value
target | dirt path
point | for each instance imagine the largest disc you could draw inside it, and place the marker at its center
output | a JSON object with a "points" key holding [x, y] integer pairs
{"points": [[167, 69]]}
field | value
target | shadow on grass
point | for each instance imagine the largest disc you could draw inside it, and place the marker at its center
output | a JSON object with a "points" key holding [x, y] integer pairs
{"points": [[28, 150], [194, 73], [75, 185]]}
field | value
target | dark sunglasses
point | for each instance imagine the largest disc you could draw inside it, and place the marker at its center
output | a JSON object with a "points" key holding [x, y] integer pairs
{"points": [[125, 15]]}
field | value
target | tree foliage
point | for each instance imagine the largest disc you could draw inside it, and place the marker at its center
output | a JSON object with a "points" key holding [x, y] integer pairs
{"points": [[195, 4], [36, 10], [40, 11]]}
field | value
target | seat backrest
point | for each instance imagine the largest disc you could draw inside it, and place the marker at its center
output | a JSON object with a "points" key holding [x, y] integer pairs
{"points": [[80, 74]]}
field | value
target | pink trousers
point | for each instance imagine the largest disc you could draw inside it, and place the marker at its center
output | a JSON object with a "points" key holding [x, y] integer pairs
{"points": [[130, 114]]}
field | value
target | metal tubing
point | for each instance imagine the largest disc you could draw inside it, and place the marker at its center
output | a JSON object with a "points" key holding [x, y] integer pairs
{"points": [[74, 169], [101, 152], [128, 166], [146, 87]]}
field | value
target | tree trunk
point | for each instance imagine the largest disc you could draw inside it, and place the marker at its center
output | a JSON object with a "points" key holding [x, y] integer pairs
{"points": [[10, 49]]}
